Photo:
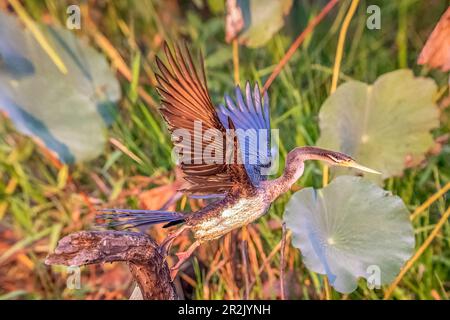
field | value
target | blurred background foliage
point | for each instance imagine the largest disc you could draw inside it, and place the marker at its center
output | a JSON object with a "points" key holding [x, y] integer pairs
{"points": [[42, 198]]}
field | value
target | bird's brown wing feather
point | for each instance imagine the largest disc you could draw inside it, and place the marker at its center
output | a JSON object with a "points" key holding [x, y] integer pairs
{"points": [[185, 99]]}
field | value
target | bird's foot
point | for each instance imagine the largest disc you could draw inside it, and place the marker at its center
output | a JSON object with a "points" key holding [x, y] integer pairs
{"points": [[167, 243], [182, 258]]}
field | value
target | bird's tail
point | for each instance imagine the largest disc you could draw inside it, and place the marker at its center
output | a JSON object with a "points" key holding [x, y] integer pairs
{"points": [[134, 218]]}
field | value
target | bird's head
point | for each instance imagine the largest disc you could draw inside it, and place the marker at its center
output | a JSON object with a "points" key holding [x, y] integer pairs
{"points": [[332, 158], [342, 160]]}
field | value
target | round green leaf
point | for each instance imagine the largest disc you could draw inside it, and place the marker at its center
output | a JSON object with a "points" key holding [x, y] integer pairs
{"points": [[67, 113], [351, 228], [381, 124]]}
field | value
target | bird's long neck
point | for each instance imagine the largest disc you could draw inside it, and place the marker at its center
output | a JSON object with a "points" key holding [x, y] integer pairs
{"points": [[282, 184], [294, 169]]}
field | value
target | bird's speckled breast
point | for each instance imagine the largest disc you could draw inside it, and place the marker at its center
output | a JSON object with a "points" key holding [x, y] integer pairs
{"points": [[233, 215]]}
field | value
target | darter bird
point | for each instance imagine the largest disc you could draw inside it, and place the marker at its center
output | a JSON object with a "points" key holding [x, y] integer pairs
{"points": [[240, 186]]}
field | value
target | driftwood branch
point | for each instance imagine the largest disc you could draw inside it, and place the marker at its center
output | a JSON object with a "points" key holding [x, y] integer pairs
{"points": [[141, 252]]}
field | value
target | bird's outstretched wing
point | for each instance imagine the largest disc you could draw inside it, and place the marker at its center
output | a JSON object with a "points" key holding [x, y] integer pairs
{"points": [[198, 134], [251, 118]]}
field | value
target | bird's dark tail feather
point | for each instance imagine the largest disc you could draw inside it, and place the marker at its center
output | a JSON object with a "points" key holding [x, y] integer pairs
{"points": [[134, 218]]}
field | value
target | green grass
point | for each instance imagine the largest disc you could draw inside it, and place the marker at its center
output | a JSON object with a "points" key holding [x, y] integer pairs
{"points": [[45, 205]]}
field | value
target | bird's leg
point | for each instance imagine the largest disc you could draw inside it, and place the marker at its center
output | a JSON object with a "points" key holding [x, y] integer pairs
{"points": [[167, 243], [182, 257]]}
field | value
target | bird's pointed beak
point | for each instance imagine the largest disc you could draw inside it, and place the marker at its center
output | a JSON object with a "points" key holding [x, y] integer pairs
{"points": [[353, 164]]}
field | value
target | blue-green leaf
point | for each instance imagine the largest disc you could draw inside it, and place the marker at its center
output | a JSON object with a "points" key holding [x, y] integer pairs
{"points": [[67, 113], [350, 229]]}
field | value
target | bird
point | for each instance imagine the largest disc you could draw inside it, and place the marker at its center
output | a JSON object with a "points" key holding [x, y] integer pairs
{"points": [[239, 189]]}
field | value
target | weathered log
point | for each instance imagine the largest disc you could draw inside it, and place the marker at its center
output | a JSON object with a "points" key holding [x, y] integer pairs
{"points": [[141, 253]]}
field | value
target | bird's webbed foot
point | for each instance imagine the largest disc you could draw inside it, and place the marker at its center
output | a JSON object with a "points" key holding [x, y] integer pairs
{"points": [[182, 258], [167, 243]]}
